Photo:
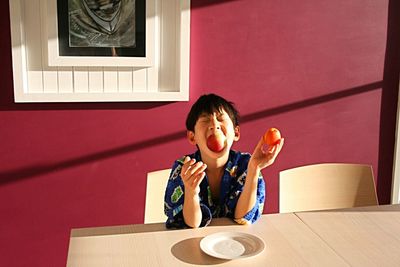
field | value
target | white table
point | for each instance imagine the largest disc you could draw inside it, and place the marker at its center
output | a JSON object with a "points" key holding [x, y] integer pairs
{"points": [[355, 237], [361, 236]]}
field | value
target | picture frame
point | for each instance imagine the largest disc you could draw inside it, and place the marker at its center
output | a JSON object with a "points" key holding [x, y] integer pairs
{"points": [[162, 76], [59, 54]]}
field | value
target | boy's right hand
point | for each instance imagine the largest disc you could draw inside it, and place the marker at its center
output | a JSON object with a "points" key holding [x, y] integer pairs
{"points": [[192, 174]]}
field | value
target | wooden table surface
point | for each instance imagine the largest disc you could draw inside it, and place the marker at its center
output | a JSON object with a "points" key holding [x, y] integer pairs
{"points": [[354, 237], [368, 236]]}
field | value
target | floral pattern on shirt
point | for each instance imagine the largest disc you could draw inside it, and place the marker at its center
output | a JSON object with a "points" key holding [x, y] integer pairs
{"points": [[232, 183]]}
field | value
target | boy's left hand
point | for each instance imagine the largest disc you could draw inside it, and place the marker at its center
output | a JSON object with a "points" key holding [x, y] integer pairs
{"points": [[262, 158]]}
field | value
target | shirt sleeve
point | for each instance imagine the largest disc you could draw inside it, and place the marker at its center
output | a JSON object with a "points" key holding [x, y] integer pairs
{"points": [[174, 200], [240, 174], [254, 214]]}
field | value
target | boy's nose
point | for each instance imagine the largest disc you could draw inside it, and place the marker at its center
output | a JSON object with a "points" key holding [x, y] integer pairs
{"points": [[212, 127], [214, 124]]}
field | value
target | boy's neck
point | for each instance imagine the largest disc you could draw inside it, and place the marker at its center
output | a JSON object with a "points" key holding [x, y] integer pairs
{"points": [[215, 163], [215, 166], [215, 171]]}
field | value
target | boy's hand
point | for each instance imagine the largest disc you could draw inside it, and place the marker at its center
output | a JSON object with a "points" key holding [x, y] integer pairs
{"points": [[261, 159], [192, 174]]}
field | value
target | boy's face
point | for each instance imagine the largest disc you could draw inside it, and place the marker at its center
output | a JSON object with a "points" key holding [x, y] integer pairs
{"points": [[209, 124]]}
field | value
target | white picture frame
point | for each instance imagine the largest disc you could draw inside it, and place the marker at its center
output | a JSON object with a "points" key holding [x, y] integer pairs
{"points": [[35, 80]]}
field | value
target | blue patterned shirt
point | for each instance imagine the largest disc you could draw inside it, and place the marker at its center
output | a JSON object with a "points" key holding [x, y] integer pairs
{"points": [[232, 183]]}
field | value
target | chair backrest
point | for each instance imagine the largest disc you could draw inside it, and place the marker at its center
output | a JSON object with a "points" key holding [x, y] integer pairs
{"points": [[326, 186], [155, 190]]}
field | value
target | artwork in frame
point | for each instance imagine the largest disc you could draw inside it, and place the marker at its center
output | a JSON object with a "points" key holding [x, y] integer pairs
{"points": [[100, 32]]}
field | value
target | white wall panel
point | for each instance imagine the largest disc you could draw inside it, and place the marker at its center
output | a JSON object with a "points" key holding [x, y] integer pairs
{"points": [[65, 80], [168, 46], [81, 79], [96, 80], [125, 79], [34, 49], [110, 79], [50, 79], [140, 80]]}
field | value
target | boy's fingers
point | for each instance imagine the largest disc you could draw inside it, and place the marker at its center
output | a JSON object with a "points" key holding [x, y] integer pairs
{"points": [[260, 143], [192, 172], [187, 158], [194, 168], [188, 162], [278, 146], [281, 143], [199, 177]]}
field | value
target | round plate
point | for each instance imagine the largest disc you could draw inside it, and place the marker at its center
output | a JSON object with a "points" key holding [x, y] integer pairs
{"points": [[232, 245]]}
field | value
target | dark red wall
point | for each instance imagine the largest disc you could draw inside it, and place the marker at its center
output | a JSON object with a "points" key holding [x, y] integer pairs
{"points": [[324, 72]]}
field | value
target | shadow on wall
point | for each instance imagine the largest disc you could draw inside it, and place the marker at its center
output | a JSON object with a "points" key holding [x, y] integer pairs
{"points": [[390, 92], [31, 171], [207, 3]]}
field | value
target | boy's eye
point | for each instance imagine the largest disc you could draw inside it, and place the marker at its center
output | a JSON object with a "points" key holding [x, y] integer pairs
{"points": [[204, 119], [223, 117]]}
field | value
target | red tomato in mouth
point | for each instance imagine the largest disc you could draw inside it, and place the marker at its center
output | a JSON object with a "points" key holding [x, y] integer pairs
{"points": [[216, 142]]}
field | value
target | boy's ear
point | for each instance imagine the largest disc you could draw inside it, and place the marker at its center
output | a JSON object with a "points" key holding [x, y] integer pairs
{"points": [[190, 137], [237, 133]]}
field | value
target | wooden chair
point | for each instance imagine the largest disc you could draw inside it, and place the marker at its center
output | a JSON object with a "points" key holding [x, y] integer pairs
{"points": [[326, 186], [155, 190]]}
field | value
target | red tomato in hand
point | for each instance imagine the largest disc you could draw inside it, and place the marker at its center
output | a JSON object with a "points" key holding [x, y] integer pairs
{"points": [[272, 136]]}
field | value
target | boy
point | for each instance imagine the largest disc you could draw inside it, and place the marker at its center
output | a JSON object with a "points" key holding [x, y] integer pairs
{"points": [[216, 182]]}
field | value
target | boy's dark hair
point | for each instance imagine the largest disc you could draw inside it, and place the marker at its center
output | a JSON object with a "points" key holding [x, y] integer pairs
{"points": [[208, 104]]}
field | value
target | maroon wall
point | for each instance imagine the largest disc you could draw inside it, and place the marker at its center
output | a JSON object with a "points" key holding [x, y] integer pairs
{"points": [[321, 71]]}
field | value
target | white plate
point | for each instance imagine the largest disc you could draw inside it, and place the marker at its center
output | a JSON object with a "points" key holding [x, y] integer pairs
{"points": [[232, 245]]}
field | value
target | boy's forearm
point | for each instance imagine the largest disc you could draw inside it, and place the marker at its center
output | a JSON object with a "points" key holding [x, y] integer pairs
{"points": [[192, 211], [248, 197]]}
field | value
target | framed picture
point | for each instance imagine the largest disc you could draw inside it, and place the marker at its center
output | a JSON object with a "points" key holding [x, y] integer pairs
{"points": [[44, 70], [100, 32]]}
